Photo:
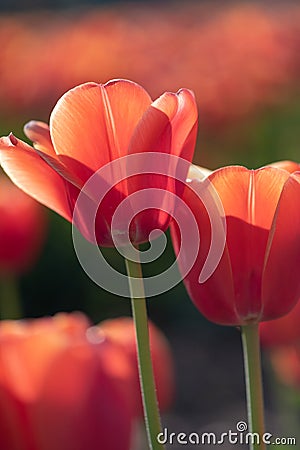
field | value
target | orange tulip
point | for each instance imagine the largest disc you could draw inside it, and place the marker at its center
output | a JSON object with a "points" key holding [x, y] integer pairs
{"points": [[283, 331], [150, 45], [257, 277], [92, 125], [22, 229], [120, 332], [54, 393]]}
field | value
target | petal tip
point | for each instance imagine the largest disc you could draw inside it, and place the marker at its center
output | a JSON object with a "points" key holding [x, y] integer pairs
{"points": [[13, 139]]}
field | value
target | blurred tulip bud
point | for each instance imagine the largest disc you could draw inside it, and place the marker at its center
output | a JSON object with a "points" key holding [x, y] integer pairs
{"points": [[54, 393], [22, 229], [121, 362]]}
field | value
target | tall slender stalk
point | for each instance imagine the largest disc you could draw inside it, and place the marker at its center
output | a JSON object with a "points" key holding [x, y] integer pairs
{"points": [[139, 311], [254, 390]]}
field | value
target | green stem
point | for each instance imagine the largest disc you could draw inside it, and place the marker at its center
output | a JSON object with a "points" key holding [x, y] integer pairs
{"points": [[139, 311], [255, 404], [10, 303]]}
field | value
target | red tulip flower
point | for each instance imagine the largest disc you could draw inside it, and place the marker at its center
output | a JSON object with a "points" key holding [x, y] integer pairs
{"points": [[22, 229], [257, 278], [54, 394], [93, 125], [120, 332]]}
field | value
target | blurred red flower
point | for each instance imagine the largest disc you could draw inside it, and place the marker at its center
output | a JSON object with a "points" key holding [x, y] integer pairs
{"points": [[121, 333], [95, 124], [238, 58], [54, 393], [281, 339], [23, 224], [257, 277]]}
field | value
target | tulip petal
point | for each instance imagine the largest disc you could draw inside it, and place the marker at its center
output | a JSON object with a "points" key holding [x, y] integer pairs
{"points": [[214, 298], [290, 166], [232, 294], [168, 126], [93, 123], [39, 134], [250, 195], [83, 411], [33, 175], [281, 286], [249, 199]]}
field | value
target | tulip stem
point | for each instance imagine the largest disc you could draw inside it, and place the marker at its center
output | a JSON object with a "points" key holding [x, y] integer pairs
{"points": [[139, 312], [10, 303], [254, 390]]}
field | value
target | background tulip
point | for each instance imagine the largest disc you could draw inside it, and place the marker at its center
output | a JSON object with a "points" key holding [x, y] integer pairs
{"points": [[53, 390], [22, 229], [121, 333], [281, 339], [256, 278]]}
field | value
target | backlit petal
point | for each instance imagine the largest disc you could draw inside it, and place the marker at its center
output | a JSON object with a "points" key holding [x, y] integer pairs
{"points": [[93, 123], [290, 166], [281, 285], [39, 134], [168, 126], [249, 199], [215, 297], [33, 175]]}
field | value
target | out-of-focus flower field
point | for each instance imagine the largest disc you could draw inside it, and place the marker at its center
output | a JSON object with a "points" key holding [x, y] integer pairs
{"points": [[241, 60]]}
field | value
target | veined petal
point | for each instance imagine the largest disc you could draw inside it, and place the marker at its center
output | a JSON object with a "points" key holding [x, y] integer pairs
{"points": [[39, 134], [215, 297], [249, 199], [93, 123], [290, 166], [33, 175], [167, 124], [281, 285], [250, 195], [185, 125]]}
